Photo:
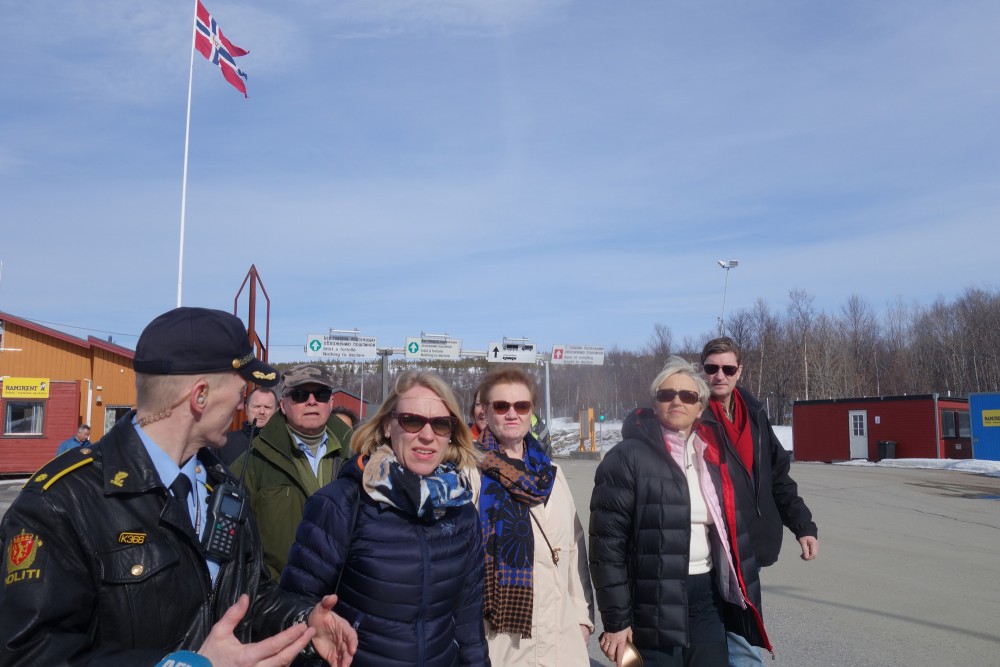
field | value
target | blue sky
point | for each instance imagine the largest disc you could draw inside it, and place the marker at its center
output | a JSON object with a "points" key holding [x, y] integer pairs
{"points": [[564, 171]]}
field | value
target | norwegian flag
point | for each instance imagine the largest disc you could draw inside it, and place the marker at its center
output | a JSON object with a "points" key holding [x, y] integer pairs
{"points": [[212, 44]]}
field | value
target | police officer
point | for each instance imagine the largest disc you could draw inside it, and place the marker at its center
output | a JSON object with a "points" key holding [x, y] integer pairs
{"points": [[103, 559]]}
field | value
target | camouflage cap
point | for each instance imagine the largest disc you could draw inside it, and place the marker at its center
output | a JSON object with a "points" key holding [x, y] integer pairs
{"points": [[300, 374]]}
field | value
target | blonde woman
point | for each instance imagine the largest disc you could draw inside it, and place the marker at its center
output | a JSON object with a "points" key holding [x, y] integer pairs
{"points": [[397, 537]]}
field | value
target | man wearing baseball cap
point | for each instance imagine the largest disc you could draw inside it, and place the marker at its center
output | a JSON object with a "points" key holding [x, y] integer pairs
{"points": [[103, 557], [299, 451]]}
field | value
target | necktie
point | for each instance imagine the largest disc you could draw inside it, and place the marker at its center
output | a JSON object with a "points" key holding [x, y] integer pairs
{"points": [[181, 488]]}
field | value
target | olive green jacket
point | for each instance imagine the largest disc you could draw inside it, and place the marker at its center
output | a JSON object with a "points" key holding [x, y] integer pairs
{"points": [[279, 479]]}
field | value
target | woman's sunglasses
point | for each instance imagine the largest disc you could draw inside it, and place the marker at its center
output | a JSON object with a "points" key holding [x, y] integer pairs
{"points": [[687, 396], [412, 423], [520, 407], [302, 395], [712, 369]]}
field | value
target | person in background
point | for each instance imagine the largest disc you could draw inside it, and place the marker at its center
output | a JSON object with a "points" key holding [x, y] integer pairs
{"points": [[668, 552], [760, 465], [540, 430], [477, 413], [397, 534], [538, 602], [80, 439], [260, 405], [346, 415], [104, 562], [298, 452]]}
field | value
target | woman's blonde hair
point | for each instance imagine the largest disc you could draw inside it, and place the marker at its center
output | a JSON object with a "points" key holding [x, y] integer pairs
{"points": [[371, 435]]}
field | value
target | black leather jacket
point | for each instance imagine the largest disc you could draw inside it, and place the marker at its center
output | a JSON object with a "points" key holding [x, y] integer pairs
{"points": [[98, 568]]}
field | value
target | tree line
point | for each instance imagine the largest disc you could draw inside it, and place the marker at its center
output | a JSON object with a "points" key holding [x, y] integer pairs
{"points": [[794, 351]]}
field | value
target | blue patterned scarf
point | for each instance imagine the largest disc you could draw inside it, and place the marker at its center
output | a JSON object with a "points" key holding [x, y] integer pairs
{"points": [[510, 488], [425, 497]]}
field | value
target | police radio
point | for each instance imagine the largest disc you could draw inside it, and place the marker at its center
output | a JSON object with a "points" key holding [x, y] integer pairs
{"points": [[227, 509]]}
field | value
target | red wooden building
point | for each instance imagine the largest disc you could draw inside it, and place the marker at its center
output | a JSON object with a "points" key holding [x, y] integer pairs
{"points": [[925, 426], [351, 401]]}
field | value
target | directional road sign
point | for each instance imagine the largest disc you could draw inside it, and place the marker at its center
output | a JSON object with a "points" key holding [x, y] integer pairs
{"points": [[344, 346], [520, 352], [431, 349], [584, 355]]}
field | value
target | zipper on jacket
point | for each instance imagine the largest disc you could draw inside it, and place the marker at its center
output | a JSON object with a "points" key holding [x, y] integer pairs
{"points": [[424, 594]]}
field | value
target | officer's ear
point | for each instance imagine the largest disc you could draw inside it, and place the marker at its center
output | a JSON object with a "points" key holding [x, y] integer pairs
{"points": [[198, 397]]}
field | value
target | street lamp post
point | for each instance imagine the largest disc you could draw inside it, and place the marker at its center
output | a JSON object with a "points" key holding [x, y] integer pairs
{"points": [[727, 265]]}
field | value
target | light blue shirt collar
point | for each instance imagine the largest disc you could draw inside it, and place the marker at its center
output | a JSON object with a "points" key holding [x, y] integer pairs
{"points": [[320, 451], [167, 470]]}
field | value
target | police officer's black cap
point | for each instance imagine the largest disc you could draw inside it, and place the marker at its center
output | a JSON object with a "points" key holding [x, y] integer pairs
{"points": [[188, 341]]}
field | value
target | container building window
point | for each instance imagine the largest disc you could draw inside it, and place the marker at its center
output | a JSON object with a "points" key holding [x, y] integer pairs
{"points": [[23, 418], [948, 424], [964, 425], [858, 424]]}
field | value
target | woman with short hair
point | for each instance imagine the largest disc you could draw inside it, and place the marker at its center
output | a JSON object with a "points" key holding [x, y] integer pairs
{"points": [[538, 603], [671, 561]]}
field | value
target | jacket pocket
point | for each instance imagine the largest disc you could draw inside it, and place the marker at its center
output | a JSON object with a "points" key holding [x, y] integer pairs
{"points": [[137, 563], [141, 589]]}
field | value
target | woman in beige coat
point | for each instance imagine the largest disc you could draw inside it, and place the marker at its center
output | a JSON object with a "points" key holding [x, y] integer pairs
{"points": [[538, 601]]}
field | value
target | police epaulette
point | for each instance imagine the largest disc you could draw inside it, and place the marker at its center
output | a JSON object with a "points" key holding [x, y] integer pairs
{"points": [[59, 467]]}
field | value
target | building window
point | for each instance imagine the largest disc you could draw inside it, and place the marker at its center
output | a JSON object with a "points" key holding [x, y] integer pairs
{"points": [[113, 413], [23, 417], [948, 424], [858, 425], [964, 426]]}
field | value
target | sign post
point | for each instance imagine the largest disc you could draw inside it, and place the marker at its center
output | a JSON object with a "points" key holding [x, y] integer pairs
{"points": [[512, 351], [341, 345], [433, 347], [580, 355]]}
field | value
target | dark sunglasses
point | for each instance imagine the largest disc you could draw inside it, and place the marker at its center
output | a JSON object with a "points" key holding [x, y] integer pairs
{"points": [[520, 407], [412, 423], [302, 395], [712, 369], [687, 396]]}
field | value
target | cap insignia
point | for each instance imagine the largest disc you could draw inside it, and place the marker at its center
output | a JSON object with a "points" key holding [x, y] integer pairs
{"points": [[264, 376], [240, 363]]}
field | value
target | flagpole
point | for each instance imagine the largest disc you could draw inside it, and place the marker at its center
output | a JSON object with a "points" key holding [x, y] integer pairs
{"points": [[184, 182]]}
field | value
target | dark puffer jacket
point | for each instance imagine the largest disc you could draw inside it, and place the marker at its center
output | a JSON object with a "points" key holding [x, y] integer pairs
{"points": [[769, 495], [640, 533], [412, 589]]}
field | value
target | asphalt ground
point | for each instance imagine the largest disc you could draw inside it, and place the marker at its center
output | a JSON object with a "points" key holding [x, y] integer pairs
{"points": [[907, 572]]}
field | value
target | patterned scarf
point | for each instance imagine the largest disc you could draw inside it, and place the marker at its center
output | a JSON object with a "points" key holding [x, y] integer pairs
{"points": [[387, 481], [510, 488]]}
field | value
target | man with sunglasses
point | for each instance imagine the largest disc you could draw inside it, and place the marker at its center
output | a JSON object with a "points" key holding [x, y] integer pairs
{"points": [[759, 467], [298, 452]]}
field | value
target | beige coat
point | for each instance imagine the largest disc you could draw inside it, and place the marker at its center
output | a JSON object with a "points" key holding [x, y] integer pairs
{"points": [[563, 597]]}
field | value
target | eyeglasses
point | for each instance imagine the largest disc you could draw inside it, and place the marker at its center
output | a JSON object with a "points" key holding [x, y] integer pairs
{"points": [[712, 369], [412, 423], [503, 407], [687, 396], [302, 395]]}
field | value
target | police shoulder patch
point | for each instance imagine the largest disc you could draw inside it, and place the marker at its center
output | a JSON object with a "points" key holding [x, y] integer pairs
{"points": [[59, 467]]}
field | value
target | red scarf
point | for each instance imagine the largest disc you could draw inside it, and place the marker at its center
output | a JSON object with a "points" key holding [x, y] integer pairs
{"points": [[738, 430]]}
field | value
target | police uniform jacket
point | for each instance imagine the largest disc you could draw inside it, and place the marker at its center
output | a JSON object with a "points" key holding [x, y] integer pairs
{"points": [[102, 566]]}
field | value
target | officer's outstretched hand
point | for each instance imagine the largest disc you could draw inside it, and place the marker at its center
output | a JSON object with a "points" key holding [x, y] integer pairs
{"points": [[225, 650], [335, 641]]}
